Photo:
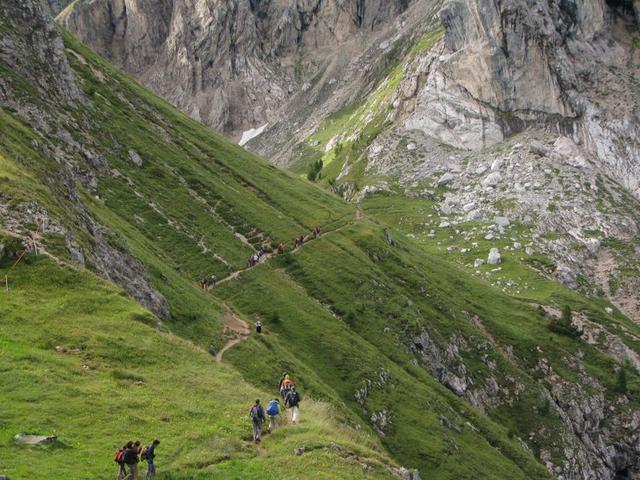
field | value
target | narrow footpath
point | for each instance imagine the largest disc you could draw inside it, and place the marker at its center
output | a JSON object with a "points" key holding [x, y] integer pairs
{"points": [[237, 327]]}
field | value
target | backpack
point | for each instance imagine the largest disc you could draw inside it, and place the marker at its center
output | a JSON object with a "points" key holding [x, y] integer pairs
{"points": [[119, 456], [273, 409], [143, 455], [255, 413]]}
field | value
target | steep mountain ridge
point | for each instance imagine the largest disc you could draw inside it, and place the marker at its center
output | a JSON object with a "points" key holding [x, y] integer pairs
{"points": [[230, 64]]}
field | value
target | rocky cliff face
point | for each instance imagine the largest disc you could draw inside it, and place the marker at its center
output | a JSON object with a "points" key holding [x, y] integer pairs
{"points": [[565, 66], [37, 53], [40, 87], [231, 64], [57, 6]]}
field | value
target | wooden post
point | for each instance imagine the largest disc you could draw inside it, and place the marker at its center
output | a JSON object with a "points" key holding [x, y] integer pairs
{"points": [[6, 282]]}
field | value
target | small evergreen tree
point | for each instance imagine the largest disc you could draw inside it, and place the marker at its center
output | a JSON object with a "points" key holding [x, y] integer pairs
{"points": [[621, 380], [314, 170], [563, 325]]}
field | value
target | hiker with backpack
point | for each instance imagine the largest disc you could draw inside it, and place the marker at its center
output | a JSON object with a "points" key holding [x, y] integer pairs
{"points": [[119, 459], [131, 460], [282, 377], [273, 410], [280, 249], [292, 402], [257, 419], [285, 385], [149, 454], [258, 327]]}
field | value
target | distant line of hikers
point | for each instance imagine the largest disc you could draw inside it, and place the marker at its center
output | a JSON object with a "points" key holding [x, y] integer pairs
{"points": [[254, 259], [291, 399], [130, 455]]}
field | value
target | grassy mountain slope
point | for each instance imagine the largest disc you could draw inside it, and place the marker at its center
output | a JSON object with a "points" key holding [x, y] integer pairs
{"points": [[78, 360], [375, 329]]}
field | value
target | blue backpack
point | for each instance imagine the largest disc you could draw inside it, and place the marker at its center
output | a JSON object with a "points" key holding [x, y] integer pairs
{"points": [[273, 408]]}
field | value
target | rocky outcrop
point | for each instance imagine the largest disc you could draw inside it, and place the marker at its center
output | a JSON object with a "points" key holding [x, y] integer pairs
{"points": [[31, 47], [43, 85], [230, 64], [563, 66], [57, 6]]}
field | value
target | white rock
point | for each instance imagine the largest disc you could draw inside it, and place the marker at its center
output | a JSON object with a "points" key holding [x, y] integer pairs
{"points": [[474, 215], [411, 146], [565, 149], [593, 245], [529, 251], [445, 208], [494, 257], [496, 165], [489, 236], [135, 158], [502, 221], [567, 277], [375, 150], [609, 310], [468, 207], [492, 179], [517, 245], [332, 143], [481, 169], [478, 263], [444, 225]]}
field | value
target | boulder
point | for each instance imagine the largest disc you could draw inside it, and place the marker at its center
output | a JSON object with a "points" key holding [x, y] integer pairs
{"points": [[468, 207], [478, 263], [539, 148], [566, 150], [567, 277], [445, 179], [593, 245], [35, 439], [135, 158], [492, 179], [502, 221], [494, 257], [481, 169]]}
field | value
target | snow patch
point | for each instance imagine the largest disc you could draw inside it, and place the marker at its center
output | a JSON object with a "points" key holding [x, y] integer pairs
{"points": [[251, 134]]}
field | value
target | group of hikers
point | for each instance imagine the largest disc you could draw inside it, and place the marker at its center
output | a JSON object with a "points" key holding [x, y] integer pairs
{"points": [[209, 282], [254, 259], [130, 455], [299, 241], [291, 399]]}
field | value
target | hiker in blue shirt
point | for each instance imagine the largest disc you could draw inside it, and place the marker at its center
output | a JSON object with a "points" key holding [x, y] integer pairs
{"points": [[149, 454], [273, 410]]}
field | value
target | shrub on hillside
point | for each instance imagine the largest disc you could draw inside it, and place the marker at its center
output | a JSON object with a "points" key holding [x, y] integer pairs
{"points": [[314, 170], [563, 325], [621, 380]]}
